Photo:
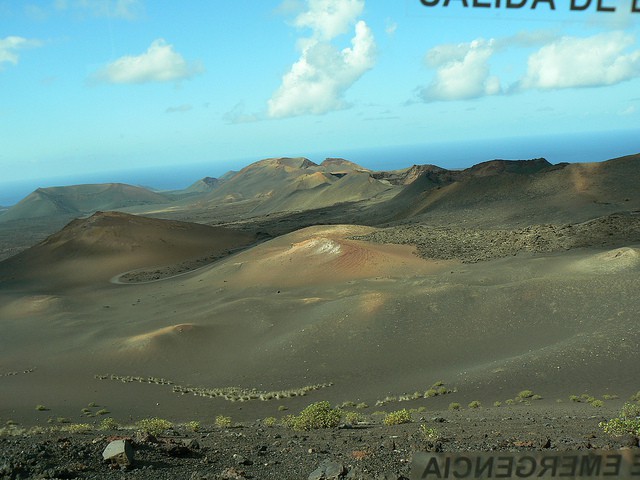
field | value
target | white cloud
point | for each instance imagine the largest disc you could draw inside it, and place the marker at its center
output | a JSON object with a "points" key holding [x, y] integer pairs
{"points": [[317, 82], [126, 9], [160, 63], [583, 62], [9, 47], [330, 18], [462, 71]]}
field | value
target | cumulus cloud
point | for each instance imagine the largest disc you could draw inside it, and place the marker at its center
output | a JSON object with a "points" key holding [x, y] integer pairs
{"points": [[462, 71], [583, 62], [126, 9], [9, 47], [330, 18], [160, 63], [317, 82]]}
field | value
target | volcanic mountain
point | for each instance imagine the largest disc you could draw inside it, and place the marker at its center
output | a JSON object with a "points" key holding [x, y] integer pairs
{"points": [[79, 200], [466, 287]]}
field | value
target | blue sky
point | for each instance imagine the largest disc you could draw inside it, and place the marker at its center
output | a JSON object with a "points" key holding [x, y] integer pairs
{"points": [[106, 85]]}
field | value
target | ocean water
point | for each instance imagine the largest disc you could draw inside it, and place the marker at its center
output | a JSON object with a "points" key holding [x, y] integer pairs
{"points": [[583, 147]]}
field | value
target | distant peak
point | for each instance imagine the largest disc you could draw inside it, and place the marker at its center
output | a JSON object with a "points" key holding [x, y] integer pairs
{"points": [[494, 167], [341, 163]]}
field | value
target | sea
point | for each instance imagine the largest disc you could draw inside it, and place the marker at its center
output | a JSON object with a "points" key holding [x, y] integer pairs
{"points": [[572, 148]]}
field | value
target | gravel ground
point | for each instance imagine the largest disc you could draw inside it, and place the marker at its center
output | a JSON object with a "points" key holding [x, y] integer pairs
{"points": [[363, 451], [476, 245]]}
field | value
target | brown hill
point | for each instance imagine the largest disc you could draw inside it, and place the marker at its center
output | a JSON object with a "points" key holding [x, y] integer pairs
{"points": [[79, 200], [94, 249], [517, 193]]}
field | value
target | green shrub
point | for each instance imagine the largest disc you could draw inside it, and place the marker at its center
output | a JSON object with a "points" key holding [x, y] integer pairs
{"points": [[282, 408], [153, 426], [93, 404], [525, 394], [475, 404], [269, 421], [454, 406], [108, 424], [41, 408], [362, 405], [597, 403], [509, 401], [397, 417], [288, 421], [497, 404], [536, 397], [77, 428], [102, 411], [422, 409], [432, 392], [575, 398], [429, 434], [317, 415], [193, 425], [353, 418], [627, 422], [222, 422]]}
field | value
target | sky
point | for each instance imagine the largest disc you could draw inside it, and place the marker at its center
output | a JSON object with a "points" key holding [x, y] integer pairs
{"points": [[106, 85]]}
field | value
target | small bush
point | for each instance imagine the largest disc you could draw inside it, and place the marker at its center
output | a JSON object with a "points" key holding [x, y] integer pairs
{"points": [[422, 409], [102, 411], [41, 408], [597, 403], [77, 428], [429, 434], [193, 425], [635, 397], [525, 394], [269, 421], [627, 422], [93, 404], [282, 408], [153, 426], [353, 418], [497, 404], [454, 406], [288, 420], [475, 404], [108, 424], [317, 415], [86, 411], [432, 392], [222, 422], [362, 405], [397, 417], [536, 397], [509, 401], [575, 398]]}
